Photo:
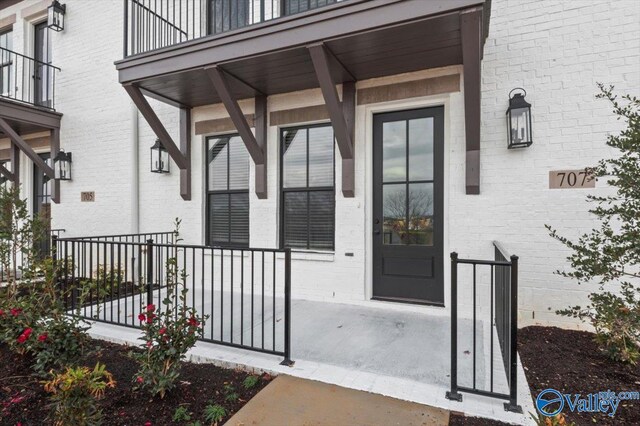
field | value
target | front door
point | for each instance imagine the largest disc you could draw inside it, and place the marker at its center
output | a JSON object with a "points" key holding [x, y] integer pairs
{"points": [[407, 206]]}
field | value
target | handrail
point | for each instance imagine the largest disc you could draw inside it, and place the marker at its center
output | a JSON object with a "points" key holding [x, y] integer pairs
{"points": [[30, 58]]}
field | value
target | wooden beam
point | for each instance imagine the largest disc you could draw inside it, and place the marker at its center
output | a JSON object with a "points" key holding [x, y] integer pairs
{"points": [[471, 33], [6, 173], [185, 147], [156, 125], [261, 138], [320, 59], [55, 148], [14, 157], [220, 83], [24, 147], [349, 111]]}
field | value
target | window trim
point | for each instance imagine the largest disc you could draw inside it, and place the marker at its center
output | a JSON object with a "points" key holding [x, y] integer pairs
{"points": [[227, 191], [282, 190]]}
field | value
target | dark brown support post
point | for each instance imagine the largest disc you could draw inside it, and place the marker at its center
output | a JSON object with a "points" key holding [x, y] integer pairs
{"points": [[343, 125], [15, 164], [471, 32], [185, 147], [261, 138], [55, 148], [24, 147], [156, 125], [219, 81], [349, 111], [6, 173]]}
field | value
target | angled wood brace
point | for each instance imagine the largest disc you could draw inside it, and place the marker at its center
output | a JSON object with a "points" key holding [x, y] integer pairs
{"points": [[471, 33], [342, 114], [19, 144], [181, 156], [256, 144]]}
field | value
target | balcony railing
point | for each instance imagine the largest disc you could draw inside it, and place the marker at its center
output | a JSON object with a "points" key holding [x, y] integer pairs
{"points": [[154, 24], [27, 80]]}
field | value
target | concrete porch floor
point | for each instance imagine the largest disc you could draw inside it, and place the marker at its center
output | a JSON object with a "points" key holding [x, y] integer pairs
{"points": [[375, 347]]}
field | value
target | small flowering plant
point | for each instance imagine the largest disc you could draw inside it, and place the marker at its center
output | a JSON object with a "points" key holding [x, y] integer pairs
{"points": [[168, 334]]}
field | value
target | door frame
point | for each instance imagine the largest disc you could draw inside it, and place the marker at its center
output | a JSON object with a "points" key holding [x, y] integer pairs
{"points": [[364, 116]]}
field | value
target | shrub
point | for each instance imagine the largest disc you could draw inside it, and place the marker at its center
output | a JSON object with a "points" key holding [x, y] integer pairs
{"points": [[230, 394], [74, 394], [610, 254], [213, 414], [168, 334]]}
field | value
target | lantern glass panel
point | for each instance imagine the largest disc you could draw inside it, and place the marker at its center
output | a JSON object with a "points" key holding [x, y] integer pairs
{"points": [[520, 125], [62, 166], [159, 159]]}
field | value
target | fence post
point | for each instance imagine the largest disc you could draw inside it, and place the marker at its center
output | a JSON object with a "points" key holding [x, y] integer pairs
{"points": [[512, 405], [287, 309], [149, 271], [453, 394]]}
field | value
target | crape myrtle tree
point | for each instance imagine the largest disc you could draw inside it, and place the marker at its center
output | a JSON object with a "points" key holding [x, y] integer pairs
{"points": [[609, 255]]}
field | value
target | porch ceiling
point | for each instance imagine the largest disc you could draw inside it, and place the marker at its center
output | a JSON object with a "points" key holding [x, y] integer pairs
{"points": [[372, 51]]}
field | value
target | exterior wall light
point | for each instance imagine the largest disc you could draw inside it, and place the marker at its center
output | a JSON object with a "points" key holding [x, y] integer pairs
{"points": [[159, 158], [519, 120], [62, 166], [55, 15]]}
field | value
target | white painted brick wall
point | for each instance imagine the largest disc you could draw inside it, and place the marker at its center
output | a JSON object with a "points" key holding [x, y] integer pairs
{"points": [[556, 50]]}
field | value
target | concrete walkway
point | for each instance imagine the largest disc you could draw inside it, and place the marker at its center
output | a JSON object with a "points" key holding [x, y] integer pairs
{"points": [[291, 401]]}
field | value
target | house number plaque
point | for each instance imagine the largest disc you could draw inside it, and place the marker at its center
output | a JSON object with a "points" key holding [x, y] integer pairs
{"points": [[87, 197], [567, 179]]}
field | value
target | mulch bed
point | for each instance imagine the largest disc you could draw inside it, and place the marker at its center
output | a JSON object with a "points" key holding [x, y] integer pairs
{"points": [[23, 400], [461, 420], [571, 362]]}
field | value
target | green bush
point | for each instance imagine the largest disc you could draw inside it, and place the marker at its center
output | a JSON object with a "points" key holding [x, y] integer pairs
{"points": [[74, 394]]}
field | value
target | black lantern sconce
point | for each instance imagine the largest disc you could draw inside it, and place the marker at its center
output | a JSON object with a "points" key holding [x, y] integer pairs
{"points": [[55, 15], [159, 158], [519, 120], [62, 166]]}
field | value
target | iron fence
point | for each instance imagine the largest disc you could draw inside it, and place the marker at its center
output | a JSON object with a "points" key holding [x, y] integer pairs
{"points": [[245, 293], [503, 315], [27, 80], [154, 24]]}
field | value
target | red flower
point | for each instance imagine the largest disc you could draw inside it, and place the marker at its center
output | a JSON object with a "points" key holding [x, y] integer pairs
{"points": [[139, 379], [141, 317], [151, 308], [147, 424], [149, 344], [193, 322], [1, 313], [43, 337], [150, 318], [162, 331], [25, 335], [15, 311]]}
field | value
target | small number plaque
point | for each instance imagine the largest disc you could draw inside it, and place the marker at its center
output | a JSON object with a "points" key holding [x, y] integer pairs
{"points": [[87, 197], [567, 179]]}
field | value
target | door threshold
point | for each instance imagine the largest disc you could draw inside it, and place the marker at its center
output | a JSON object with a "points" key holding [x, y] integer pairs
{"points": [[408, 301]]}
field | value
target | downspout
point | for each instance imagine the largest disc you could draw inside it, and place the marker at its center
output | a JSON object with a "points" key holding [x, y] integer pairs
{"points": [[135, 171]]}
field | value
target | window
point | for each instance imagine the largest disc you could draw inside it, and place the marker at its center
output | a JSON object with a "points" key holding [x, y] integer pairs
{"points": [[308, 192], [6, 62], [227, 191]]}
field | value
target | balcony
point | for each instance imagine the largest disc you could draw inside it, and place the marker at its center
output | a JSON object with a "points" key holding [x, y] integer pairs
{"points": [[27, 80], [151, 25]]}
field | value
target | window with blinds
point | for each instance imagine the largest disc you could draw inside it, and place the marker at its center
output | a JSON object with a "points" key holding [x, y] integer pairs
{"points": [[227, 191], [308, 191]]}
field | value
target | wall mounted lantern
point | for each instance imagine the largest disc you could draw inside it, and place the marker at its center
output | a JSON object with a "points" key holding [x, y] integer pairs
{"points": [[159, 158], [55, 15], [519, 120], [62, 166]]}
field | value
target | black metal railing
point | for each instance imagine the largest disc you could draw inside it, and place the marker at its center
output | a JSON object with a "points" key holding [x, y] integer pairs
{"points": [[246, 293], [27, 80], [154, 24], [13, 268], [503, 315]]}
